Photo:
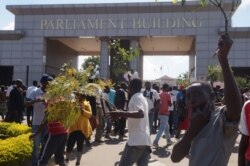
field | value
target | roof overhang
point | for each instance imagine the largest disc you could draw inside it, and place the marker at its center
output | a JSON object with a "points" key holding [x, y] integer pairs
{"points": [[11, 34], [152, 45], [112, 8]]}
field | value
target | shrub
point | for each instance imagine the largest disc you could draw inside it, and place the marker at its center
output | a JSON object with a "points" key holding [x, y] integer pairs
{"points": [[15, 151], [12, 130]]}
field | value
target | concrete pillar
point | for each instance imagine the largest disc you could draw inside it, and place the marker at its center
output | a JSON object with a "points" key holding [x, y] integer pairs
{"points": [[192, 69], [137, 63], [104, 58]]}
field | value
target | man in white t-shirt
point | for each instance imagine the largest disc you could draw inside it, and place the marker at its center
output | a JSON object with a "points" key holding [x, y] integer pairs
{"points": [[153, 100], [29, 109], [173, 117], [37, 100], [137, 149]]}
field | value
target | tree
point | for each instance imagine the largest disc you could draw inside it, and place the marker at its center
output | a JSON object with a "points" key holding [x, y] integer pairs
{"points": [[183, 79], [214, 73], [242, 82], [121, 54], [94, 62], [219, 4]]}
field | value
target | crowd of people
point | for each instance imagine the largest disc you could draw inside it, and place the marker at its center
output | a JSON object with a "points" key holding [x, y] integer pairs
{"points": [[210, 117]]}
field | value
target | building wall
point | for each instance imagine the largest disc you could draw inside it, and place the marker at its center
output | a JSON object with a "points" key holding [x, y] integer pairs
{"points": [[56, 55], [31, 49]]}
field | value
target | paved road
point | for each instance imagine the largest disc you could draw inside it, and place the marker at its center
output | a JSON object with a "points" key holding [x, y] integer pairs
{"points": [[109, 153]]}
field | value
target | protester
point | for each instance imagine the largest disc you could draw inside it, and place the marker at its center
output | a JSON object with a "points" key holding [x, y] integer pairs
{"points": [[15, 103], [37, 101], [182, 111], [99, 117], [55, 143], [153, 100], [173, 117], [107, 101], [29, 109], [120, 102], [244, 149], [213, 130], [137, 149], [79, 131], [156, 122], [165, 102], [3, 102], [57, 137]]}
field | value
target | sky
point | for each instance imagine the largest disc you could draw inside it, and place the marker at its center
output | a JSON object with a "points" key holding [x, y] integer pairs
{"points": [[154, 67]]}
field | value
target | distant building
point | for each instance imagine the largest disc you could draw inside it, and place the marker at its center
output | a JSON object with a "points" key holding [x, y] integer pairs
{"points": [[165, 79]]}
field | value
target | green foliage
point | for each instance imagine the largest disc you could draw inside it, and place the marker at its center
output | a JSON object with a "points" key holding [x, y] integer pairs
{"points": [[242, 82], [214, 73], [62, 104], [121, 57], [183, 79], [15, 151], [12, 129], [94, 63], [65, 111]]}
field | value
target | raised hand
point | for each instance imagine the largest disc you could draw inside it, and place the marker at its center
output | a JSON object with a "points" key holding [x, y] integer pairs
{"points": [[224, 46]]}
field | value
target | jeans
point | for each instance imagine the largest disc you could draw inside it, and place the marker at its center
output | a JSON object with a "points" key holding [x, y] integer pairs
{"points": [[100, 124], [108, 125], [135, 154], [151, 120], [163, 127], [40, 139]]}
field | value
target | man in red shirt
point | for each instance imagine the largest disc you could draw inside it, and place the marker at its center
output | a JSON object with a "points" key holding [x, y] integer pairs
{"points": [[165, 102]]}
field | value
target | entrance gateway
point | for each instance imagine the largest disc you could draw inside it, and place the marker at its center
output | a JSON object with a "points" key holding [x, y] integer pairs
{"points": [[46, 36]]}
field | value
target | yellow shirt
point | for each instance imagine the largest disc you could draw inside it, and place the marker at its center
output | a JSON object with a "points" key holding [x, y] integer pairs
{"points": [[83, 123]]}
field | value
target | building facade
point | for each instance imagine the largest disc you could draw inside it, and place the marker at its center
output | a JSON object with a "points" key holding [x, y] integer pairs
{"points": [[46, 36]]}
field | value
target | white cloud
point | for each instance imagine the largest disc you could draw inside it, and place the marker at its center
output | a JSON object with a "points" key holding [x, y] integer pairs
{"points": [[9, 26], [245, 4]]}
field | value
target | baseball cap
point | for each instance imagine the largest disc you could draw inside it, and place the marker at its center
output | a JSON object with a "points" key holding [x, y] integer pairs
{"points": [[45, 78]]}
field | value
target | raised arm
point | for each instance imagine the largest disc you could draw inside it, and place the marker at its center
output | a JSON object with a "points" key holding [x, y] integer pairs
{"points": [[231, 91]]}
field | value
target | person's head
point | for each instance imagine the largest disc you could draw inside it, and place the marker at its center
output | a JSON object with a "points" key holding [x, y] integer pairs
{"points": [[80, 96], [124, 86], [45, 80], [13, 82], [198, 94], [90, 80], [170, 89], [135, 86], [156, 87], [175, 87], [147, 85], [181, 88], [107, 89], [34, 83], [165, 87], [19, 83]]}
